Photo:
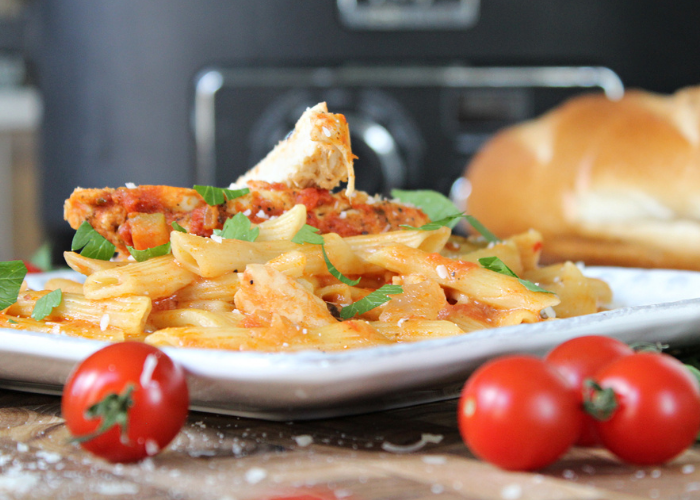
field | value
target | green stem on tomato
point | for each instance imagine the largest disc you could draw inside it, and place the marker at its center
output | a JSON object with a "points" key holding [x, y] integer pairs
{"points": [[113, 410], [598, 402]]}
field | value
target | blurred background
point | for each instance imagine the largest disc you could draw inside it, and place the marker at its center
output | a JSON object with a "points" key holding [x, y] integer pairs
{"points": [[97, 93]]}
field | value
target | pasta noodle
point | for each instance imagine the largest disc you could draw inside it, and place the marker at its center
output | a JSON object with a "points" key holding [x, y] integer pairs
{"points": [[325, 292]]}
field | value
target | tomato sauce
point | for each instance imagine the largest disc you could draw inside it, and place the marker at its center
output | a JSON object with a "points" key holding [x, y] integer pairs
{"points": [[145, 199], [475, 310]]}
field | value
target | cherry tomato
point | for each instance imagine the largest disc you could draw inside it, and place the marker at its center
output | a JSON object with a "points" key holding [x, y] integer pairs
{"points": [[658, 408], [126, 401], [581, 358], [519, 413], [31, 268]]}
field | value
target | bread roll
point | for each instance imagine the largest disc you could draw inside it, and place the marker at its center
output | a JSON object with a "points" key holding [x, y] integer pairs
{"points": [[606, 182]]}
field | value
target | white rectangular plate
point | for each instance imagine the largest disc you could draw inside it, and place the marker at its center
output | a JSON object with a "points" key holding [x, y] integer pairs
{"points": [[651, 305]]}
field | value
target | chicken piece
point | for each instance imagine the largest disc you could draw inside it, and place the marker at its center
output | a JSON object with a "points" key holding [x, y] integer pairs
{"points": [[316, 154], [264, 288], [114, 212]]}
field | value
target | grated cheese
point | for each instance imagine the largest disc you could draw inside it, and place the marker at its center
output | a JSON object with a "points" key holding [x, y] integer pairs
{"points": [[255, 474], [104, 322], [548, 312], [303, 440], [424, 439]]}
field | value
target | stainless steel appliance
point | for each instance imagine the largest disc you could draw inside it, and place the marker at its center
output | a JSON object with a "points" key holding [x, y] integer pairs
{"points": [[185, 91], [411, 126]]}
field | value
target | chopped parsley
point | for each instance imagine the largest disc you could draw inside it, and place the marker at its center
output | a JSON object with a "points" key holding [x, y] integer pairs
{"points": [[374, 299], [12, 275], [497, 265], [177, 227], [216, 196], [149, 253], [488, 235], [91, 243], [334, 271], [450, 221], [238, 227], [46, 304], [309, 234], [435, 205]]}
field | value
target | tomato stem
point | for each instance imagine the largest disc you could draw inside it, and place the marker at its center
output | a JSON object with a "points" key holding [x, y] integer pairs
{"points": [[648, 346], [113, 409], [598, 402]]}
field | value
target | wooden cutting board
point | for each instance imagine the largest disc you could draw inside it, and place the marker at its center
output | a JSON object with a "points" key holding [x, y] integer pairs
{"points": [[413, 453]]}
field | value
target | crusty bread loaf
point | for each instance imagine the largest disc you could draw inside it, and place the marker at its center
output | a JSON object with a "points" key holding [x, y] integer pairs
{"points": [[606, 182]]}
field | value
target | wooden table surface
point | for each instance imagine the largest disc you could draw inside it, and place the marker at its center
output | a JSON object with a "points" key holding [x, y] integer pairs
{"points": [[369, 457]]}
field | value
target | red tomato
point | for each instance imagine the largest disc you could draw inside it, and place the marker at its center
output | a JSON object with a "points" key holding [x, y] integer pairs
{"points": [[31, 268], [581, 358], [147, 393], [658, 413], [519, 413]]}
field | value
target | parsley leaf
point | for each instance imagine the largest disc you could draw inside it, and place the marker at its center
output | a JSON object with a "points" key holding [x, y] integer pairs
{"points": [[149, 253], [216, 196], [334, 271], [374, 299], [497, 265], [178, 227], [488, 235], [92, 243], [238, 227], [435, 205], [46, 304], [12, 274], [436, 224], [448, 221], [308, 234]]}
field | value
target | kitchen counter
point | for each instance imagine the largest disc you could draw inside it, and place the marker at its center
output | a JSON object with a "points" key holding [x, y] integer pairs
{"points": [[412, 453]]}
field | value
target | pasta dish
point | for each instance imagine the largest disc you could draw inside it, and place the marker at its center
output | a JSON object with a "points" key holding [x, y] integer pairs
{"points": [[287, 282]]}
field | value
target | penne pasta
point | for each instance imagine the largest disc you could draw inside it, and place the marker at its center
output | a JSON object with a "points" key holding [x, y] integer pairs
{"points": [[194, 317], [428, 241], [285, 226], [155, 278], [85, 329], [87, 266], [347, 335], [209, 258], [577, 295], [222, 287], [65, 285], [237, 339], [413, 330], [473, 281], [128, 313]]}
